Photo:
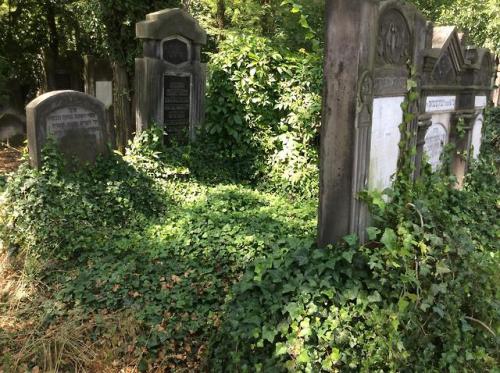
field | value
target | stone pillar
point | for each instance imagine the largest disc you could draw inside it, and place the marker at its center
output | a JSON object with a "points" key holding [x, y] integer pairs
{"points": [[350, 40], [368, 47], [424, 122], [461, 131]]}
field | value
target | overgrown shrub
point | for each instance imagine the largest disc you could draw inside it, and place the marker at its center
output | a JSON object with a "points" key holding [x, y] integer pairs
{"points": [[263, 111], [59, 212]]}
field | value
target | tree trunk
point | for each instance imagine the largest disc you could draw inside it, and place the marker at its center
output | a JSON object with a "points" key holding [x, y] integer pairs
{"points": [[221, 14], [122, 106], [51, 55], [267, 19]]}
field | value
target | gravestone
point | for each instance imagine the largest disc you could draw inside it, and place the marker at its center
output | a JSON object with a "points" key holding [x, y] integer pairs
{"points": [[75, 121], [369, 45], [369, 48], [457, 82], [170, 79], [98, 77], [12, 127]]}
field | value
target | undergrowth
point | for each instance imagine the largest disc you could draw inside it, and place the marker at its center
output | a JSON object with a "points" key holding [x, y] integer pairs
{"points": [[161, 260]]}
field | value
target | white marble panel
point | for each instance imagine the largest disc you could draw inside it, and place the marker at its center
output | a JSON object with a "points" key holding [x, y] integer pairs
{"points": [[477, 133], [480, 102], [104, 92], [435, 140], [436, 104], [385, 137]]}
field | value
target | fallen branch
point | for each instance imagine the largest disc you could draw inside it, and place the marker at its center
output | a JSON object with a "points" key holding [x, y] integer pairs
{"points": [[482, 324]]}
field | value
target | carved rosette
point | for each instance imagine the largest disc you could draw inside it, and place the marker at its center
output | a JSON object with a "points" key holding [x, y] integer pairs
{"points": [[393, 44], [365, 93]]}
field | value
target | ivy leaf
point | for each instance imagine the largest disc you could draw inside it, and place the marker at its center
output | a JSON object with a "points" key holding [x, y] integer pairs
{"points": [[442, 268], [375, 297], [351, 239], [281, 349], [389, 239], [372, 233]]}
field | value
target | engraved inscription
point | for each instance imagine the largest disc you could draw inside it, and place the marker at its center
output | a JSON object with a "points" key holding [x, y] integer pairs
{"points": [[390, 85], [480, 102], [67, 119], [177, 103], [175, 51], [393, 43], [440, 104], [435, 140]]}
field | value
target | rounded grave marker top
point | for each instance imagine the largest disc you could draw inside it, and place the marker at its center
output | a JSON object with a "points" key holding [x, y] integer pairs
{"points": [[75, 121]]}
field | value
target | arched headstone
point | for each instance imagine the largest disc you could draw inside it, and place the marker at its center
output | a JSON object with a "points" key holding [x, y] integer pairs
{"points": [[75, 121]]}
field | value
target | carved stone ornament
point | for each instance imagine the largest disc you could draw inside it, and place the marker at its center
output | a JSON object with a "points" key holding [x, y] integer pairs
{"points": [[175, 51], [444, 70], [366, 89], [393, 43]]}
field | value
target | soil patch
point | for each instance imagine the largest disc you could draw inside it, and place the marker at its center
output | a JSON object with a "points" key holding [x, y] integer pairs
{"points": [[10, 158]]}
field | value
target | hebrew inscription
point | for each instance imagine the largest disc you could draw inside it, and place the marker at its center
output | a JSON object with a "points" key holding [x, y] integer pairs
{"points": [[435, 140], [435, 104], [67, 119]]}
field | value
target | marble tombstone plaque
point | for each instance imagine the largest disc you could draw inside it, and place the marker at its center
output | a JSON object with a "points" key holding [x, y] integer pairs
{"points": [[435, 140], [480, 102], [440, 108], [437, 104], [75, 121], [104, 92], [385, 137]]}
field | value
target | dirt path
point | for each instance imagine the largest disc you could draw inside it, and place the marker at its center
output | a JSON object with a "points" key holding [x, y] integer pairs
{"points": [[10, 158]]}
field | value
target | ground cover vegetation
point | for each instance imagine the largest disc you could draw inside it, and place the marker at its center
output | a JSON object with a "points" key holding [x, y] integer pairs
{"points": [[145, 263], [203, 257]]}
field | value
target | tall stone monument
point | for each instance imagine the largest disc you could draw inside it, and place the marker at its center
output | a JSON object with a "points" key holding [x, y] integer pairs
{"points": [[170, 79], [75, 121], [369, 47]]}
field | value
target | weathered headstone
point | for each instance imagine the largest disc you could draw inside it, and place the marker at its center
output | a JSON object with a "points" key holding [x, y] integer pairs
{"points": [[12, 127], [369, 46], [75, 121], [170, 79], [98, 76]]}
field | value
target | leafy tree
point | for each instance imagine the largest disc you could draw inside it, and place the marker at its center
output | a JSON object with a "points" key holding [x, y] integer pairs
{"points": [[479, 18]]}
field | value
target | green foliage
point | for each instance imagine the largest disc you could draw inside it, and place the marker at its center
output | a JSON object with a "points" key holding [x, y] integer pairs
{"points": [[410, 297], [479, 19], [55, 212], [264, 110], [172, 270], [221, 277]]}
